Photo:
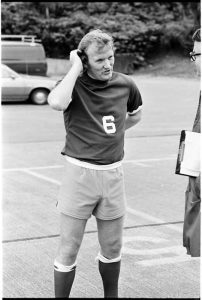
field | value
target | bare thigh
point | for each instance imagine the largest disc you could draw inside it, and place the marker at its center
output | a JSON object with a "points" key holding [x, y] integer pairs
{"points": [[71, 235], [110, 235]]}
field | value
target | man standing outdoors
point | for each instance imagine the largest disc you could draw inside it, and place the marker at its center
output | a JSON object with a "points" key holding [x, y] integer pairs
{"points": [[98, 106], [191, 230]]}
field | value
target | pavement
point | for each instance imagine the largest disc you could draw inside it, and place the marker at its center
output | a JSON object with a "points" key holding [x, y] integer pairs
{"points": [[154, 262]]}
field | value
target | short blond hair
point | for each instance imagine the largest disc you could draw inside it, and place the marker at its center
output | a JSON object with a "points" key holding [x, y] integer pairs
{"points": [[97, 36]]}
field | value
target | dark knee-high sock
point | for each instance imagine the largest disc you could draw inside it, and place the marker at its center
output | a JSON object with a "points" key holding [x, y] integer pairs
{"points": [[63, 282], [110, 276]]}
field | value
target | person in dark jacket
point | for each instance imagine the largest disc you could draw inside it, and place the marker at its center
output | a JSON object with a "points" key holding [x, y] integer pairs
{"points": [[192, 217]]}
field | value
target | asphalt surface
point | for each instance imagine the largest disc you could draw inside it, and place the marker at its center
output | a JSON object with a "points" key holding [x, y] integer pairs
{"points": [[154, 263]]}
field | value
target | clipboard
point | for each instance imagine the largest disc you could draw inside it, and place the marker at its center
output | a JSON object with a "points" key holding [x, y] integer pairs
{"points": [[188, 159]]}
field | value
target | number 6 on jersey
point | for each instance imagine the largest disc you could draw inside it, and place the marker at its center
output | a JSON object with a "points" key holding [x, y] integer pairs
{"points": [[108, 124]]}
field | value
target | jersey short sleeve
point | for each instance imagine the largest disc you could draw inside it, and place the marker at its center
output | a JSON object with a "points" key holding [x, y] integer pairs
{"points": [[135, 100]]}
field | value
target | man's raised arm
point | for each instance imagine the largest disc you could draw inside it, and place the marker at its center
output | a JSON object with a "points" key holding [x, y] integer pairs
{"points": [[60, 97]]}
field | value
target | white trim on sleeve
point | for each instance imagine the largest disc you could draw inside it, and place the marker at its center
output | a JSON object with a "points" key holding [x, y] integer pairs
{"points": [[135, 111]]}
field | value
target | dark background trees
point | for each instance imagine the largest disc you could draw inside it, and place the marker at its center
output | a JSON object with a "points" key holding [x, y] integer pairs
{"points": [[138, 28]]}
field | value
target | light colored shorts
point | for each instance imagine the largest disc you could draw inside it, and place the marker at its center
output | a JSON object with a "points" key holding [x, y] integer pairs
{"points": [[85, 192]]}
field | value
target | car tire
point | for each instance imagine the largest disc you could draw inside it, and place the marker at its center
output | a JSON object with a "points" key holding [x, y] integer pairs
{"points": [[39, 96]]}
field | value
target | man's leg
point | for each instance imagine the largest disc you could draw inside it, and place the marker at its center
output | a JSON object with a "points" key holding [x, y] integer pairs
{"points": [[110, 239], [71, 235]]}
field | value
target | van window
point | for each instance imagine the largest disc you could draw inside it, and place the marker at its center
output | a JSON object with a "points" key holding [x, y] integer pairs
{"points": [[22, 52], [24, 57]]}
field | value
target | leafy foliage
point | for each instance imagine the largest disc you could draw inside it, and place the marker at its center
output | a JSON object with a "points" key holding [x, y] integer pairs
{"points": [[138, 28]]}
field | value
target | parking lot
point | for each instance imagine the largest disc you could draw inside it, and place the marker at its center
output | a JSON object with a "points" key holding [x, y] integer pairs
{"points": [[154, 263]]}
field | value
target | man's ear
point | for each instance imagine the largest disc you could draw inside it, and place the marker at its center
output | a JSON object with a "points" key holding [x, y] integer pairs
{"points": [[84, 58]]}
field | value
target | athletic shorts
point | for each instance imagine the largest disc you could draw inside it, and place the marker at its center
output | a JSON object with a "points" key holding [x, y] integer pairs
{"points": [[85, 192]]}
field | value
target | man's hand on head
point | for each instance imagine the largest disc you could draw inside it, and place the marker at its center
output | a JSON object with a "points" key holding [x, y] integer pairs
{"points": [[75, 59]]}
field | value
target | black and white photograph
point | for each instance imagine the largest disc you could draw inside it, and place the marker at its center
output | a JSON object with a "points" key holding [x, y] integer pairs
{"points": [[101, 149]]}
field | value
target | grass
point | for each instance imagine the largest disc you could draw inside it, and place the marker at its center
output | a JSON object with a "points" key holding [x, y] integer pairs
{"points": [[171, 65]]}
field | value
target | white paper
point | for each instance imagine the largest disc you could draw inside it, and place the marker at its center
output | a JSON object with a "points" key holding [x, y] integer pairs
{"points": [[190, 164]]}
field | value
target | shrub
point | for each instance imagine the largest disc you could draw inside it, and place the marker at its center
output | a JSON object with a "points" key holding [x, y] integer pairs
{"points": [[138, 28]]}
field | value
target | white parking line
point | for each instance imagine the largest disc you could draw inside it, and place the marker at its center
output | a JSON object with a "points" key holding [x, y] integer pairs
{"points": [[142, 162], [32, 168], [42, 177], [175, 254], [130, 210], [131, 161], [166, 260], [177, 250], [146, 262], [171, 157], [153, 219], [136, 163]]}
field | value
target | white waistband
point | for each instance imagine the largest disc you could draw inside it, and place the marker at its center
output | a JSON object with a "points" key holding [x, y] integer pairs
{"points": [[92, 166]]}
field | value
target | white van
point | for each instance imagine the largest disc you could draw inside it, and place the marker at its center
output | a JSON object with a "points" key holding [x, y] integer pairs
{"points": [[24, 54]]}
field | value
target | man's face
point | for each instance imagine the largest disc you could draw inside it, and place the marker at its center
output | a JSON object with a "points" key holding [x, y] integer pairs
{"points": [[100, 61], [197, 49]]}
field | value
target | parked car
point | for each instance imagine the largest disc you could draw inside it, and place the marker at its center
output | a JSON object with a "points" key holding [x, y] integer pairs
{"points": [[21, 87], [24, 54]]}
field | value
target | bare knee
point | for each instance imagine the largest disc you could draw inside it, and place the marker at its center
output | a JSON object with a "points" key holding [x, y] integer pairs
{"points": [[68, 250], [71, 235], [110, 237], [111, 248]]}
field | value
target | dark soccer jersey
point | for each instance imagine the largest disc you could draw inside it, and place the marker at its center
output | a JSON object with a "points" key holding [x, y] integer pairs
{"points": [[95, 118]]}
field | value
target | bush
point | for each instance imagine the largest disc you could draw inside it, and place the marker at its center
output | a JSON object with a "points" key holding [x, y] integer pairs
{"points": [[138, 28]]}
